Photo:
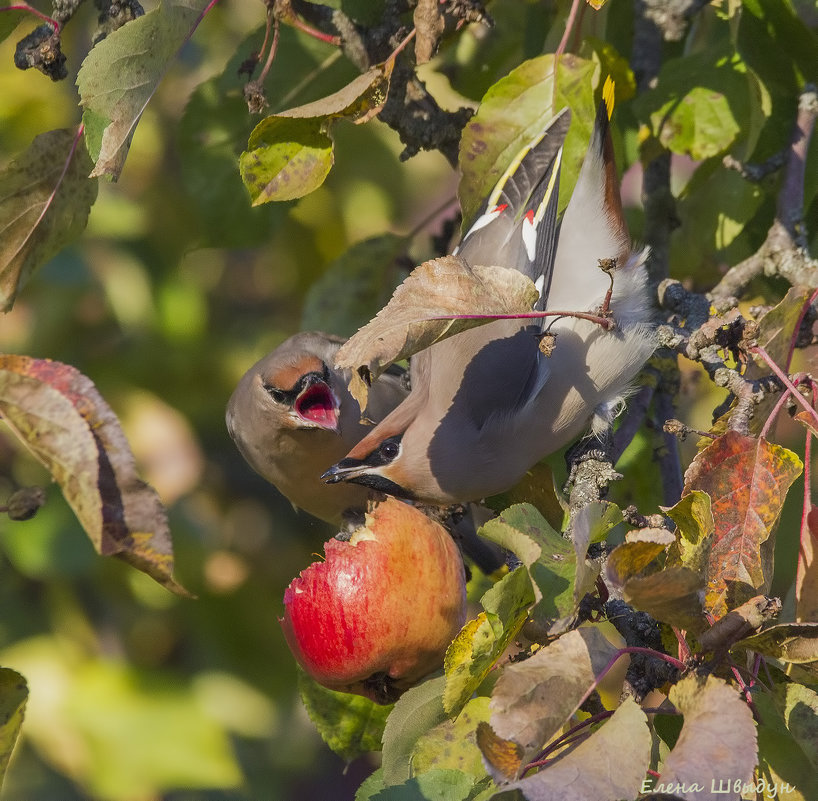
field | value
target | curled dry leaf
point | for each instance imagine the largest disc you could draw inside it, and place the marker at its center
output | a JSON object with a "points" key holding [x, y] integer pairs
{"points": [[62, 419], [407, 324], [740, 623]]}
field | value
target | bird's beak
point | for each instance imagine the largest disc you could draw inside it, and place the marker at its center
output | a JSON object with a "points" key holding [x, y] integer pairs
{"points": [[317, 405], [345, 470]]}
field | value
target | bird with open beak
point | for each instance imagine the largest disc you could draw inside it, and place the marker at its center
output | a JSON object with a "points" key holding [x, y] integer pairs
{"points": [[291, 416], [487, 404]]}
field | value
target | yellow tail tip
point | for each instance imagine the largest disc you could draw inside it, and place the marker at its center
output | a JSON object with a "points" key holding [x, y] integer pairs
{"points": [[608, 95]]}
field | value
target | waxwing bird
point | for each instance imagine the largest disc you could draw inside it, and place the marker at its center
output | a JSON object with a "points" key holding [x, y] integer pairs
{"points": [[291, 416], [487, 404]]}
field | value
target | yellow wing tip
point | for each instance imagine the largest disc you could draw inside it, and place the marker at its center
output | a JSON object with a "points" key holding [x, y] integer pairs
{"points": [[608, 95]]}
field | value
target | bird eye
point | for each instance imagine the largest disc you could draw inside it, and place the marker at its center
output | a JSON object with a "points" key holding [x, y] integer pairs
{"points": [[389, 450], [278, 395]]}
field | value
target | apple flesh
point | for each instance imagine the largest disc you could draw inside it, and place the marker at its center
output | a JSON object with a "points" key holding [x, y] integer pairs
{"points": [[379, 613]]}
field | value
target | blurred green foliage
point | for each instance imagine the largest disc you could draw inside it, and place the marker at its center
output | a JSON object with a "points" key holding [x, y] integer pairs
{"points": [[174, 289]]}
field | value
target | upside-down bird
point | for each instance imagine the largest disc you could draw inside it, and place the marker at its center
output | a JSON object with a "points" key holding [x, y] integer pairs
{"points": [[291, 416], [487, 404]]}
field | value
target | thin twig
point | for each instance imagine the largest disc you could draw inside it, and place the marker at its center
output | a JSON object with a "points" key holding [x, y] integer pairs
{"points": [[784, 378]]}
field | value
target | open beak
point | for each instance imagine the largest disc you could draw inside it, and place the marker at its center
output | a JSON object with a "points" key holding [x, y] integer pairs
{"points": [[317, 406]]}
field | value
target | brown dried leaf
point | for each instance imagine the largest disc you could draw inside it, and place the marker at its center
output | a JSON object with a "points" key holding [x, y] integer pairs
{"points": [[532, 699], [436, 288], [608, 766], [718, 740], [747, 480], [503, 758], [739, 623], [62, 419]]}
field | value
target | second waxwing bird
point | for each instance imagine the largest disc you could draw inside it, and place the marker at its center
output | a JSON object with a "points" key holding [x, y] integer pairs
{"points": [[291, 416], [487, 404]]}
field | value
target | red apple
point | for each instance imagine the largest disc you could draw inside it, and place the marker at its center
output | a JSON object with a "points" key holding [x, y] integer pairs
{"points": [[378, 614]]}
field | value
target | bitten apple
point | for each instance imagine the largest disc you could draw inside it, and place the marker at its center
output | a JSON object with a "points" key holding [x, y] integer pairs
{"points": [[378, 614]]}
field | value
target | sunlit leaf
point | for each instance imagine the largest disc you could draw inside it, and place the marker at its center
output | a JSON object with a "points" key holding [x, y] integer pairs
{"points": [[286, 159], [416, 712], [693, 517], [350, 725], [503, 758], [45, 199], [718, 738], [698, 105], [483, 640], [608, 766], [59, 415], [436, 785], [120, 75], [436, 288], [747, 480], [13, 697], [516, 110]]}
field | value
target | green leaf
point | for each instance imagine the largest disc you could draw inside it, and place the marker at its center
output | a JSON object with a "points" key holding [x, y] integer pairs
{"points": [[436, 785], [286, 158], [13, 698], [9, 20], [416, 712], [45, 198], [553, 562], [350, 725], [698, 105], [355, 286], [693, 517], [120, 75], [516, 110], [451, 744], [482, 641]]}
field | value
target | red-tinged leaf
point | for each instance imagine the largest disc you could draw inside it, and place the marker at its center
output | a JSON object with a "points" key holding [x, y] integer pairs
{"points": [[62, 419], [747, 480], [806, 578], [45, 199]]}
